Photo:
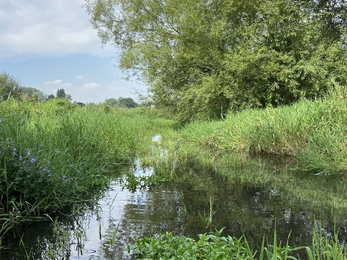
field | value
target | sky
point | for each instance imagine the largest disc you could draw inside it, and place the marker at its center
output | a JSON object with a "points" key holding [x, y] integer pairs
{"points": [[51, 45]]}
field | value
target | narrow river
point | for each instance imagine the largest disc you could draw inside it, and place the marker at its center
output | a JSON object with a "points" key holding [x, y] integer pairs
{"points": [[257, 199]]}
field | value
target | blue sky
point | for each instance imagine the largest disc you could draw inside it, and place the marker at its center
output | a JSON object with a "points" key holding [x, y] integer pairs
{"points": [[51, 45]]}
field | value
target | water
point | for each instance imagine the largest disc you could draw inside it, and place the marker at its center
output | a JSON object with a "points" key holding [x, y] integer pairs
{"points": [[261, 195]]}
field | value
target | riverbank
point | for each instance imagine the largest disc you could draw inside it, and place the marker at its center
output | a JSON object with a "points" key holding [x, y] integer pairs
{"points": [[313, 132], [56, 155]]}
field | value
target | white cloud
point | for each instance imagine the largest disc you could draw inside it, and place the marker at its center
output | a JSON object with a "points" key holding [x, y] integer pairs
{"points": [[57, 81], [91, 86], [79, 77], [44, 27]]}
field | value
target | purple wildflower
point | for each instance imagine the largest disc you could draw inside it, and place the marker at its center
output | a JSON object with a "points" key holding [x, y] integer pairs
{"points": [[33, 160], [18, 210], [49, 163], [7, 139], [49, 172], [23, 162], [1, 120], [14, 149], [49, 175], [14, 153], [20, 158]]}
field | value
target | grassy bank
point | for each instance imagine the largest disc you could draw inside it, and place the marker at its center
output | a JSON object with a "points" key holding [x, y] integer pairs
{"points": [[314, 132], [56, 154]]}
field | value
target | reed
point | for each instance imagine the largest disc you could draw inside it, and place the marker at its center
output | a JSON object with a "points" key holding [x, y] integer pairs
{"points": [[56, 154], [313, 132]]}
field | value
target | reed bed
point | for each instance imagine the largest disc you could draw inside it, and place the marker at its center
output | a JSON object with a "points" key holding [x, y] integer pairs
{"points": [[56, 154], [313, 132]]}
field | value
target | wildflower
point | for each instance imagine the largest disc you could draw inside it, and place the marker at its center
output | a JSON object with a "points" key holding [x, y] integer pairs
{"points": [[20, 158], [63, 178], [18, 210], [14, 153], [7, 139], [49, 175], [49, 163], [23, 162], [14, 149], [1, 120], [33, 160], [49, 172]]}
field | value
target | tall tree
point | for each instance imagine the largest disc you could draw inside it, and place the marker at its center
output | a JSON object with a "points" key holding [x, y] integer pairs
{"points": [[203, 57], [61, 93], [9, 87], [112, 102]]}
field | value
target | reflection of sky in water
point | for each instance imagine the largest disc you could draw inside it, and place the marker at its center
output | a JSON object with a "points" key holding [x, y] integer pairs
{"points": [[111, 210], [243, 208]]}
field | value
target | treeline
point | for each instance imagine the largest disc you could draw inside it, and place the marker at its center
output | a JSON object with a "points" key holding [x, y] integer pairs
{"points": [[121, 102], [11, 87], [202, 59]]}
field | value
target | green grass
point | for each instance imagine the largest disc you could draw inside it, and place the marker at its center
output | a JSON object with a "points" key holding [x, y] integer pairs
{"points": [[68, 154], [314, 132]]}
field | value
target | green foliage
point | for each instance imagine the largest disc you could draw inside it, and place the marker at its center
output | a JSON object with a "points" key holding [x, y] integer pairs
{"points": [[67, 153], [50, 97], [211, 246], [311, 131], [61, 93], [204, 58], [127, 102], [214, 246], [9, 87], [112, 102], [31, 92]]}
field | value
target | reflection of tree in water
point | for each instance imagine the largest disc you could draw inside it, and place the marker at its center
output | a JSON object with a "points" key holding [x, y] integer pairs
{"points": [[250, 203], [243, 208]]}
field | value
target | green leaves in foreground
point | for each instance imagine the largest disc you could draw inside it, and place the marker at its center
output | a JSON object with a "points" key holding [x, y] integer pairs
{"points": [[211, 246], [214, 246]]}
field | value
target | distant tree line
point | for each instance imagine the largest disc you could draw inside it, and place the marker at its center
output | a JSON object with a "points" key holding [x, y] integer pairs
{"points": [[121, 102], [10, 87]]}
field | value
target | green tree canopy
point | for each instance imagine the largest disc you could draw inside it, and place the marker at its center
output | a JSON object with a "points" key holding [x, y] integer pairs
{"points": [[112, 102], [61, 93], [127, 102], [51, 96], [202, 58], [9, 87]]}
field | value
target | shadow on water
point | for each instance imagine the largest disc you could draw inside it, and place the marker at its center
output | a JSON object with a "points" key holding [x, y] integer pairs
{"points": [[246, 201]]}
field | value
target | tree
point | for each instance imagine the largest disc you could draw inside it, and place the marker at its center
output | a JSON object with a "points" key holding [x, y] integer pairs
{"points": [[127, 102], [112, 102], [203, 58], [51, 96], [61, 93], [31, 92], [9, 87]]}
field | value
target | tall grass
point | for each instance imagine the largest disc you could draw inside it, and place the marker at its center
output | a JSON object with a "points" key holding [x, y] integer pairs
{"points": [[314, 132], [55, 154]]}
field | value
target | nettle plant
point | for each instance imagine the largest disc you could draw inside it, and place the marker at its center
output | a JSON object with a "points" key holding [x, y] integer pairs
{"points": [[24, 180]]}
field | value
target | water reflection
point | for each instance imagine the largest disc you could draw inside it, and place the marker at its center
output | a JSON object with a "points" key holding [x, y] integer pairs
{"points": [[250, 203]]}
